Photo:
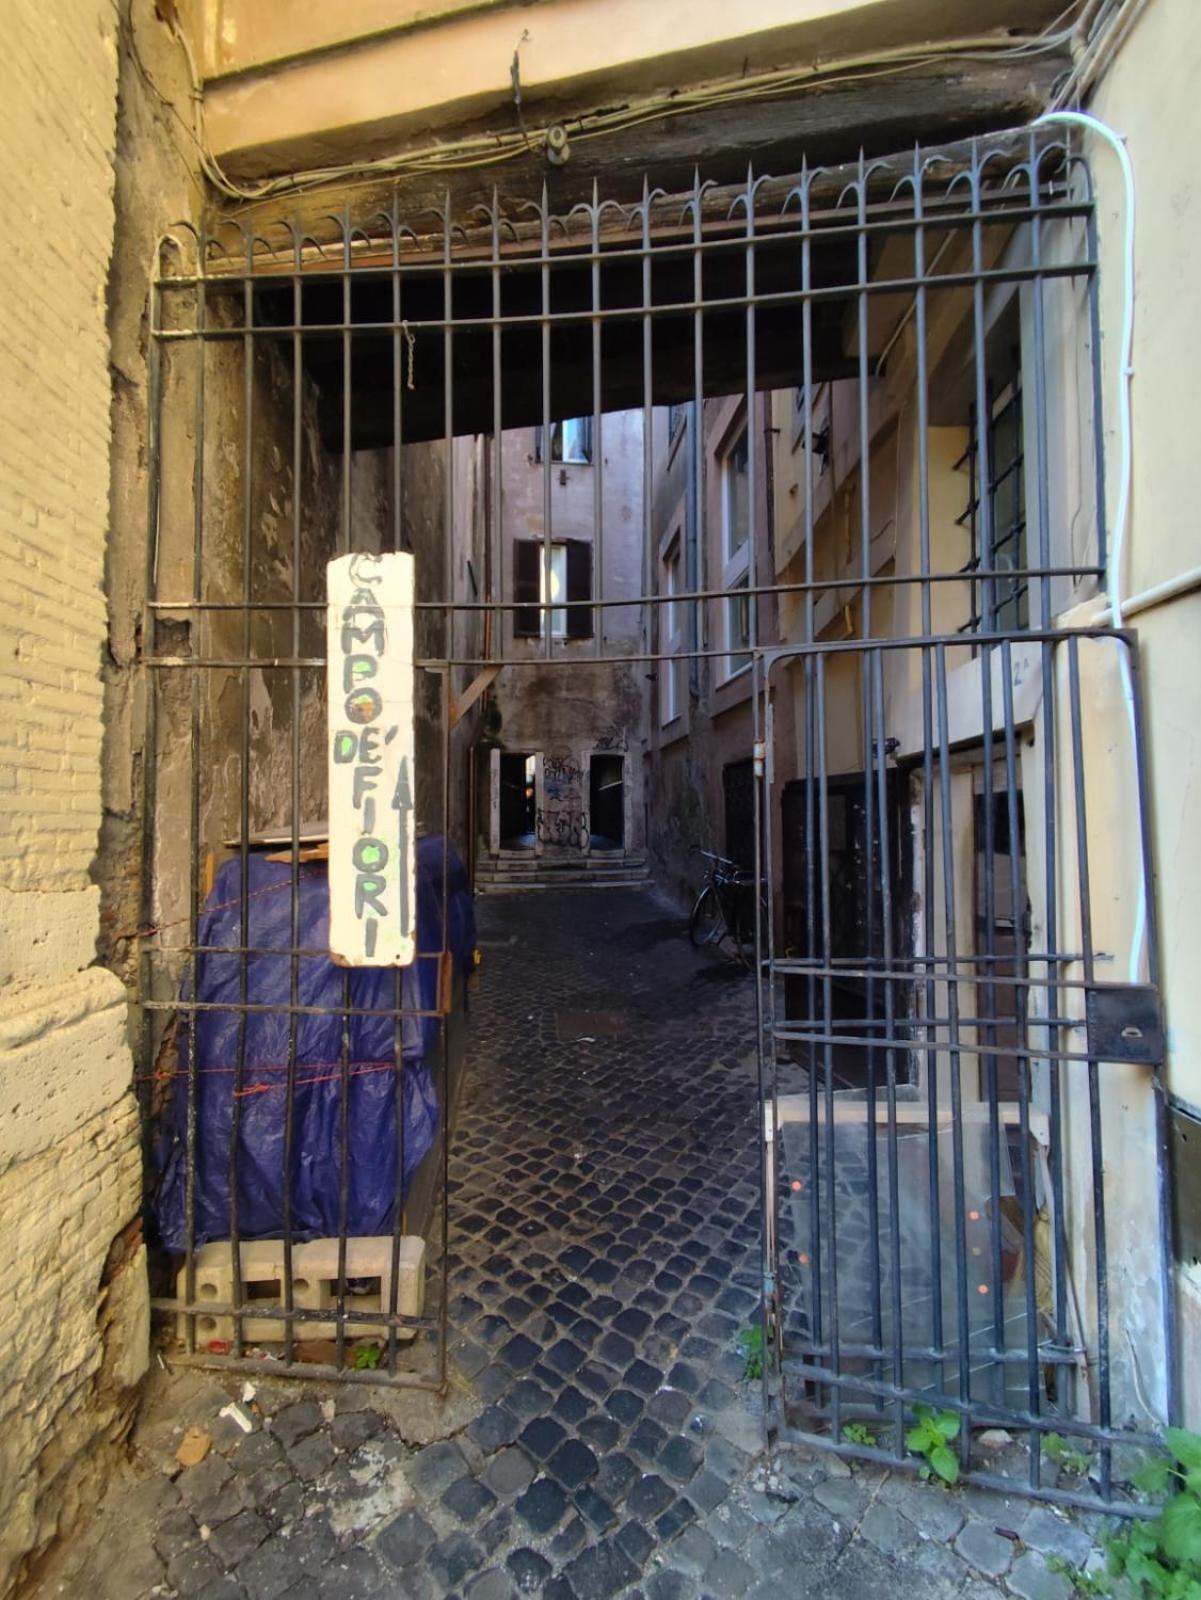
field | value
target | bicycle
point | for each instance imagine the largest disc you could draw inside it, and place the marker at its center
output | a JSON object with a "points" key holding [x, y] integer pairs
{"points": [[723, 908]]}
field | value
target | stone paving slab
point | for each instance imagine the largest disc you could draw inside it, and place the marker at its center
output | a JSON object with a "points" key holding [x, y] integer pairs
{"points": [[600, 1438]]}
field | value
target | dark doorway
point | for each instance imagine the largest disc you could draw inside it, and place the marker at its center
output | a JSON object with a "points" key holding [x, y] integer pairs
{"points": [[738, 786], [518, 802], [607, 801]]}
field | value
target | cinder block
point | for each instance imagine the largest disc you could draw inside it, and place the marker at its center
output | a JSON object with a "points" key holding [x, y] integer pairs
{"points": [[262, 1263], [314, 1286], [367, 1260]]}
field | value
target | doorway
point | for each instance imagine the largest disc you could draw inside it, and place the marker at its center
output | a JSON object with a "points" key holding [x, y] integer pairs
{"points": [[518, 801], [606, 801]]}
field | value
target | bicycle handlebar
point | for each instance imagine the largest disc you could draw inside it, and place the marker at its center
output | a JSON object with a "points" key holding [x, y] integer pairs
{"points": [[723, 860]]}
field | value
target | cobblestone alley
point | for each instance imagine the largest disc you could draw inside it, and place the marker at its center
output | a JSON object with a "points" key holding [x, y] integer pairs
{"points": [[600, 1437]]}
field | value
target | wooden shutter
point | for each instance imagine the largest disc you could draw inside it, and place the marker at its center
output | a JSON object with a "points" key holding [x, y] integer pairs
{"points": [[527, 558], [579, 587]]}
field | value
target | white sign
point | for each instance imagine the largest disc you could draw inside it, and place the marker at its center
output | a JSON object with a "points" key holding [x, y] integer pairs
{"points": [[372, 854]]}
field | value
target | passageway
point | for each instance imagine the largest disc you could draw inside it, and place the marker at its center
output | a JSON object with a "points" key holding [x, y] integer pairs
{"points": [[601, 1435]]}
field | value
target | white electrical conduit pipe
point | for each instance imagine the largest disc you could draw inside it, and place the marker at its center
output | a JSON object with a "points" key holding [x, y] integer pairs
{"points": [[1116, 543]]}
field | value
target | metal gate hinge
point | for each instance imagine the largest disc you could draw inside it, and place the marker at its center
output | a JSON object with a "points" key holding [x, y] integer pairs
{"points": [[760, 753], [1124, 1023]]}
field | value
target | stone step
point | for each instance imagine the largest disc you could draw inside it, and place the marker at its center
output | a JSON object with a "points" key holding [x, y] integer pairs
{"points": [[545, 864], [582, 880], [563, 876]]}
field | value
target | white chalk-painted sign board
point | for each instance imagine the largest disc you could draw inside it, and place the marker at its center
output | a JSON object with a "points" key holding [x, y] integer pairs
{"points": [[372, 855]]}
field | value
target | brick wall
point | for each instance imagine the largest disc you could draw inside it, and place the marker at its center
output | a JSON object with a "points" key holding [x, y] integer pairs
{"points": [[57, 130], [73, 1314]]}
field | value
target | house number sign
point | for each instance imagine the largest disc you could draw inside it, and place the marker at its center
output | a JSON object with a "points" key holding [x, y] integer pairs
{"points": [[372, 871]]}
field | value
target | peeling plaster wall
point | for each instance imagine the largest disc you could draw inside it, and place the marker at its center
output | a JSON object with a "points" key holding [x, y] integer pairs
{"points": [[73, 1317]]}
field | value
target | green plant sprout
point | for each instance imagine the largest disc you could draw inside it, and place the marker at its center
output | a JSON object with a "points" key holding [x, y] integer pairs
{"points": [[1065, 1456], [1092, 1583], [859, 1433], [750, 1348], [366, 1358], [930, 1437], [1163, 1557]]}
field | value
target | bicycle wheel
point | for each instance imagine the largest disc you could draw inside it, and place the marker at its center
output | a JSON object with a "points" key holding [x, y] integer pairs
{"points": [[744, 932], [707, 922]]}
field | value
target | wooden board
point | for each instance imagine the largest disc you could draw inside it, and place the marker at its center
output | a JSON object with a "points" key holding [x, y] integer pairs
{"points": [[372, 833]]}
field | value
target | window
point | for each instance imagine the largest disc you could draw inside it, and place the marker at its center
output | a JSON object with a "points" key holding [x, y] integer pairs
{"points": [[567, 580], [570, 441], [1007, 609], [736, 553], [738, 629], [671, 676], [735, 495]]}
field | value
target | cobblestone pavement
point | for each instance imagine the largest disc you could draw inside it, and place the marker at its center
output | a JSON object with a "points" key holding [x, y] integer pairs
{"points": [[600, 1438]]}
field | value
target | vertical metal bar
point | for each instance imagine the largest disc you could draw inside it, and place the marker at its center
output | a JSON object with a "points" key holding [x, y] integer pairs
{"points": [[1021, 1000], [235, 1131], [647, 410], [930, 996], [295, 754], [956, 1063], [699, 623], [347, 542], [869, 754], [811, 798], [443, 1033], [767, 1263], [875, 662], [987, 995], [599, 616], [752, 468], [548, 614], [147, 857], [496, 533], [398, 1062], [988, 623], [1084, 889], [448, 390], [197, 624], [834, 1361]]}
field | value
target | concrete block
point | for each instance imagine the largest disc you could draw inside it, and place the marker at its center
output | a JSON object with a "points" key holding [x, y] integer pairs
{"points": [[262, 1263], [314, 1286], [368, 1262]]}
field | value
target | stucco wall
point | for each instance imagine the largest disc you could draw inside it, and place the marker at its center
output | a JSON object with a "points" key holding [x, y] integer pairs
{"points": [[73, 1314], [1149, 97]]}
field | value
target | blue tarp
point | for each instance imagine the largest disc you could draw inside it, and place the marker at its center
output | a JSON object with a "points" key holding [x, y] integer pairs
{"points": [[372, 1134]]}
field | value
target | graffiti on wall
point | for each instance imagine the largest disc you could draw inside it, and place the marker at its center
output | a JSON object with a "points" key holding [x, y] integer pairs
{"points": [[563, 817], [563, 827], [614, 739]]}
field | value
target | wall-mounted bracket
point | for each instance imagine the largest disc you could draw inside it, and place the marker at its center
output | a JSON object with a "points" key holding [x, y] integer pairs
{"points": [[1125, 1023]]}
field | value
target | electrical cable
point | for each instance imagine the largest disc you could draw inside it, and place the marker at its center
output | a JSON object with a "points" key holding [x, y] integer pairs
{"points": [[1116, 544], [488, 150]]}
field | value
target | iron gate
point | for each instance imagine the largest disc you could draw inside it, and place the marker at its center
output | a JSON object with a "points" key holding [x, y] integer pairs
{"points": [[936, 319]]}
